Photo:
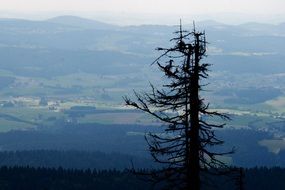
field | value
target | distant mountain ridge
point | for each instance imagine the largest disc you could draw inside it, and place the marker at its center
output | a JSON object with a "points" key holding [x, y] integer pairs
{"points": [[81, 22], [68, 42]]}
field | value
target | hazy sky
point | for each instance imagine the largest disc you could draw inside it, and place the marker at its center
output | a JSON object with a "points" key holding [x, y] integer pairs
{"points": [[266, 8]]}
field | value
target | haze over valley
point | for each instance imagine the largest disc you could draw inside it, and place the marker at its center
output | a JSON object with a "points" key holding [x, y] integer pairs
{"points": [[62, 82]]}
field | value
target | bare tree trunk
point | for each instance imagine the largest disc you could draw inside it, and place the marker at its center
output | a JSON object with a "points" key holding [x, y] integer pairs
{"points": [[195, 126]]}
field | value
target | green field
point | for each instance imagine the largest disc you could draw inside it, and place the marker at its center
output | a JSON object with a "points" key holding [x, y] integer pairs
{"points": [[273, 145]]}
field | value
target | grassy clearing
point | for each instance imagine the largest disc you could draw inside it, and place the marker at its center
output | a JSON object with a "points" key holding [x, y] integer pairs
{"points": [[115, 118], [278, 104], [274, 145], [29, 114], [6, 125]]}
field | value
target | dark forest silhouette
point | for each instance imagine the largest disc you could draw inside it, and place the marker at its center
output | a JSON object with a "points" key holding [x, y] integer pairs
{"points": [[27, 178]]}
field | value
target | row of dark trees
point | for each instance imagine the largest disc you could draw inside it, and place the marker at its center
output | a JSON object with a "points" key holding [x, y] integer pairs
{"points": [[27, 178]]}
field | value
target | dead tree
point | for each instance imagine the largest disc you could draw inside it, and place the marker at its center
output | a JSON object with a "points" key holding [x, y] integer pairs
{"points": [[185, 145]]}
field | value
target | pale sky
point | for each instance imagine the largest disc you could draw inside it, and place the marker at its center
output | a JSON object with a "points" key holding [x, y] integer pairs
{"points": [[265, 8]]}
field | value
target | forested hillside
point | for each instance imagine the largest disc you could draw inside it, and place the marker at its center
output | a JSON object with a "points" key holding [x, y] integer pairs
{"points": [[26, 178]]}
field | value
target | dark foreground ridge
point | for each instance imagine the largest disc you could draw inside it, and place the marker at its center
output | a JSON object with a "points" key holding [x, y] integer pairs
{"points": [[26, 178]]}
